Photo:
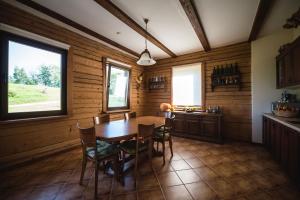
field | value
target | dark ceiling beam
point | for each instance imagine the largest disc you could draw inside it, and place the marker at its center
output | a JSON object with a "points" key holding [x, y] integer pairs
{"points": [[263, 9], [118, 13], [69, 22], [195, 20]]}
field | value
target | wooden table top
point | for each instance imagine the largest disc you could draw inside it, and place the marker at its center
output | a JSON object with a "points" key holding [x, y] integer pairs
{"points": [[122, 129]]}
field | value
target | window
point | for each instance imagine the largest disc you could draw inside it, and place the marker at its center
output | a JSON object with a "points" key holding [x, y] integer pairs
{"points": [[118, 78], [33, 82], [187, 85]]}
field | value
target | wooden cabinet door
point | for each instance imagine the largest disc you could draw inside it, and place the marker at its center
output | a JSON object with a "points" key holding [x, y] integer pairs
{"points": [[193, 126], [289, 70], [179, 125], [294, 155], [278, 134], [209, 128], [280, 72], [267, 124], [284, 157], [296, 64]]}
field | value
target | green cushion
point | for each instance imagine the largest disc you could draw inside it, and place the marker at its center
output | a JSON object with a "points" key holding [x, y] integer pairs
{"points": [[159, 135], [104, 149], [129, 146]]}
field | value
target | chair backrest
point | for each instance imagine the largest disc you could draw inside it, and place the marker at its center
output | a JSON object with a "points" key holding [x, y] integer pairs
{"points": [[146, 131], [130, 115], [169, 123], [164, 114], [87, 136]]}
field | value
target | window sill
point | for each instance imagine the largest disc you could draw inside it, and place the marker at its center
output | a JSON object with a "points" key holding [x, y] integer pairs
{"points": [[33, 119], [117, 111]]}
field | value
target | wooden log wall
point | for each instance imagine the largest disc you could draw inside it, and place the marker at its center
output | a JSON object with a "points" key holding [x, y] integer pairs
{"points": [[27, 140], [235, 104]]}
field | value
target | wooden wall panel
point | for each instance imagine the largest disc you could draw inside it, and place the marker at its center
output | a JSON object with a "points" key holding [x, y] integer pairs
{"points": [[28, 139], [235, 104]]}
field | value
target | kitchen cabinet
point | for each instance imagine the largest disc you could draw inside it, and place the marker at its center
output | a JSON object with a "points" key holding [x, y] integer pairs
{"points": [[284, 144], [202, 126], [288, 65]]}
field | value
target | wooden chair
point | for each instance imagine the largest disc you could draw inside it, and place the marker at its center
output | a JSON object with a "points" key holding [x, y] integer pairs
{"points": [[143, 143], [164, 134], [96, 152], [165, 114], [130, 115]]}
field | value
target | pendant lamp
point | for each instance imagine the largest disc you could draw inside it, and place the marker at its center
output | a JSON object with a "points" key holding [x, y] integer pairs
{"points": [[145, 58]]}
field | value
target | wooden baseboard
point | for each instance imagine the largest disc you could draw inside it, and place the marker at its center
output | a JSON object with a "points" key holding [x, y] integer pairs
{"points": [[11, 160]]}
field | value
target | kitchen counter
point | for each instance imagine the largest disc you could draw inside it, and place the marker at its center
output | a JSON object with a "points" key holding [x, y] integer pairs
{"points": [[293, 123]]}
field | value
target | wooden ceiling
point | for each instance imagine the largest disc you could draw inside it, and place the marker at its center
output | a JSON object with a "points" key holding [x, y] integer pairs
{"points": [[193, 24]]}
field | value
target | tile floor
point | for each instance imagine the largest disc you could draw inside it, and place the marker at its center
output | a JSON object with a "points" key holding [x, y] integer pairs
{"points": [[198, 170]]}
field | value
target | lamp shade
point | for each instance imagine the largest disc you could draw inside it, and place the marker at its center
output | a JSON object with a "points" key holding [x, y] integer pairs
{"points": [[145, 59]]}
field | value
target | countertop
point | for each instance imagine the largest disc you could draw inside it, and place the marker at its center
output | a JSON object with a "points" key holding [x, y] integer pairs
{"points": [[198, 113], [285, 121]]}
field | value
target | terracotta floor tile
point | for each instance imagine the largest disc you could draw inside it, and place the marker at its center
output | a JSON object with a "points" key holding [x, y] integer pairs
{"points": [[186, 154], [225, 170], [150, 195], [206, 173], [285, 193], [129, 186], [235, 170], [45, 193], [211, 160], [243, 184], [223, 189], [261, 181], [201, 191], [71, 191], [14, 194], [260, 195], [169, 179], [129, 196], [188, 176], [180, 165], [147, 182], [178, 192], [194, 162]]}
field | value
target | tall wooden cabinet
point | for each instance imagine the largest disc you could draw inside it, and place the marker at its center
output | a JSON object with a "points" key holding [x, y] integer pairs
{"points": [[201, 126], [288, 65], [284, 145]]}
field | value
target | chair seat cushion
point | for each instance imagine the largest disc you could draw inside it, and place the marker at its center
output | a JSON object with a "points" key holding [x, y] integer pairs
{"points": [[104, 149], [129, 146], [158, 135]]}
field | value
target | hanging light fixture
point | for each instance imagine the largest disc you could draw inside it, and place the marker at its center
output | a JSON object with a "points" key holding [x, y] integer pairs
{"points": [[145, 57]]}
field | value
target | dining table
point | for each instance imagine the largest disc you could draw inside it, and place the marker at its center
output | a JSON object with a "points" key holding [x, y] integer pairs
{"points": [[120, 130], [116, 131]]}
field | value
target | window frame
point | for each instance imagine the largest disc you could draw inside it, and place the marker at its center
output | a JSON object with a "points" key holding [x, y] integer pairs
{"points": [[108, 72], [5, 37]]}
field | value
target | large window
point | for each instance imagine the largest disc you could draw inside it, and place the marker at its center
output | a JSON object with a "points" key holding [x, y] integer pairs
{"points": [[33, 78], [118, 78], [187, 85]]}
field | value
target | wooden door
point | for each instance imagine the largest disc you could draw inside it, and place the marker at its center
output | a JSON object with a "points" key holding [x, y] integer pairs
{"points": [[267, 124]]}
